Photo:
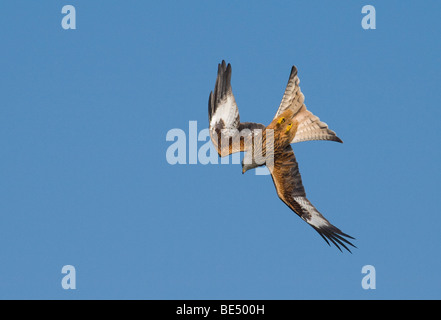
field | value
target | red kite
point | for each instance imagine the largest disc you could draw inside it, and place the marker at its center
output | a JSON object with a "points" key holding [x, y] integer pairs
{"points": [[292, 123]]}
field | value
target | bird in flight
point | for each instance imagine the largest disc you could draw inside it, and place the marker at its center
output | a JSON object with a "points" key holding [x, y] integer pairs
{"points": [[271, 145]]}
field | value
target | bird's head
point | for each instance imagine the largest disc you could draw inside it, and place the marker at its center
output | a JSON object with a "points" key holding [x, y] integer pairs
{"points": [[248, 162], [246, 167]]}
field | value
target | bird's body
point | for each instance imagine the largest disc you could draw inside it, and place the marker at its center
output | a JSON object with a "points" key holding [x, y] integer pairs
{"points": [[271, 145]]}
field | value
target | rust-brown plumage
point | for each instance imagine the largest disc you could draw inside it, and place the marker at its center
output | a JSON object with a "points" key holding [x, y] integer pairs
{"points": [[271, 145]]}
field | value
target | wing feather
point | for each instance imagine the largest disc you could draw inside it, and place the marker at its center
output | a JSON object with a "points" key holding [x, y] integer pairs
{"points": [[227, 133], [310, 127], [288, 182], [293, 97]]}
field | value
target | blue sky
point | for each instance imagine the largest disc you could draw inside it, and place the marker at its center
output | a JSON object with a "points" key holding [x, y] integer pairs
{"points": [[84, 179]]}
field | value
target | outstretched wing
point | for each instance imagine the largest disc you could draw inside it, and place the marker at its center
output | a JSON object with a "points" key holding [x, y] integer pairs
{"points": [[289, 186], [227, 133], [310, 127]]}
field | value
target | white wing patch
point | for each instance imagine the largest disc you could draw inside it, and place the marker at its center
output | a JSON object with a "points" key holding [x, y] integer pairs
{"points": [[315, 218], [321, 225], [226, 111]]}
